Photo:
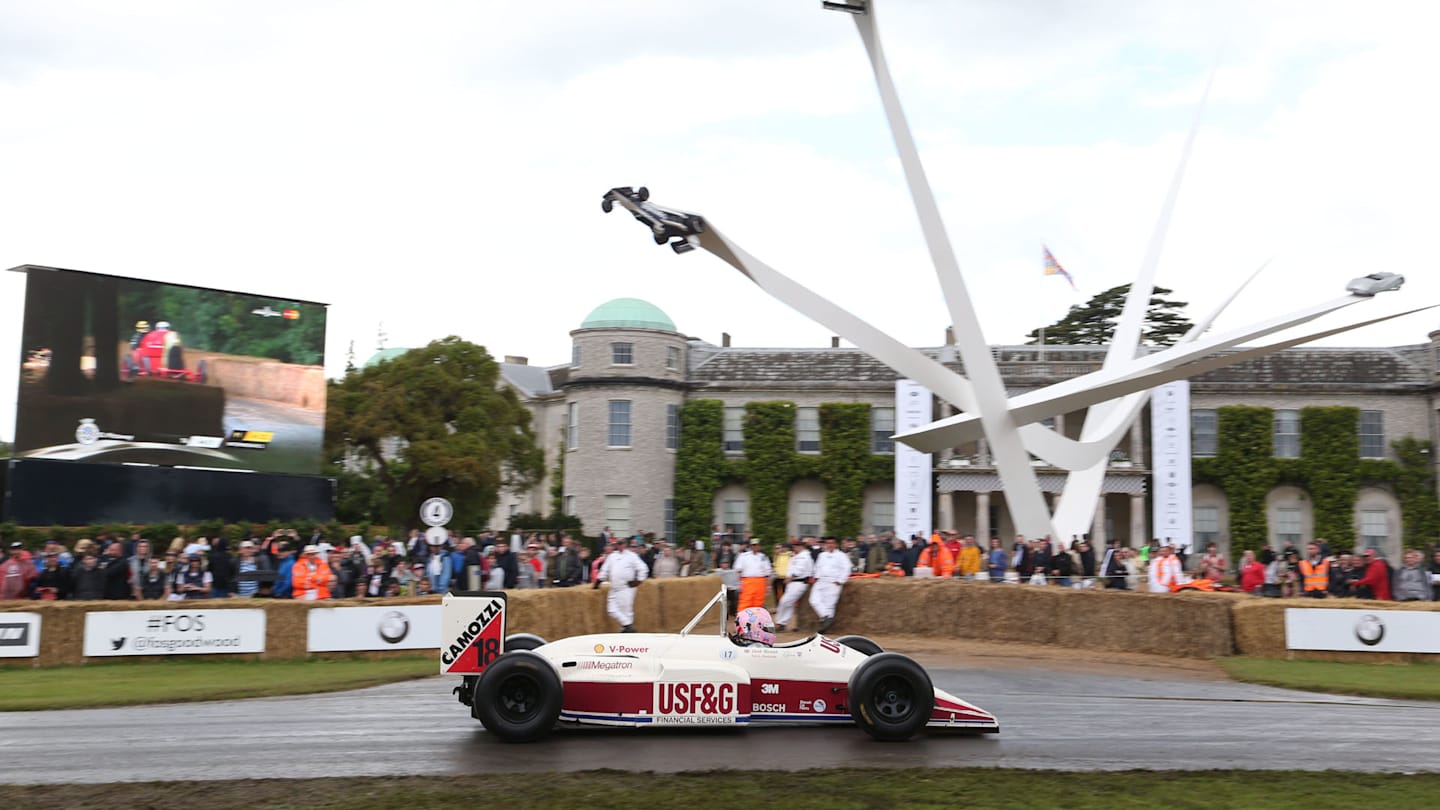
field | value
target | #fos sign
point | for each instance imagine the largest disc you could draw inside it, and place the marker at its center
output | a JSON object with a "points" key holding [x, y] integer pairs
{"points": [[167, 632]]}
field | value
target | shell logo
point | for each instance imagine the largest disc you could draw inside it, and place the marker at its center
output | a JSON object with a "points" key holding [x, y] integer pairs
{"points": [[599, 648]]}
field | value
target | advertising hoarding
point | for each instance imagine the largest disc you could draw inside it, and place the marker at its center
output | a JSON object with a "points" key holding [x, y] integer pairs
{"points": [[914, 470], [401, 627], [125, 371], [173, 632], [19, 635], [1403, 631]]}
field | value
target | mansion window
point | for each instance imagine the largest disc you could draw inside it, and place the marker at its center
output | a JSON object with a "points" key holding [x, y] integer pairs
{"points": [[1203, 431], [622, 354], [617, 514], [1372, 434], [735, 516], [572, 425], [807, 518], [882, 516], [1287, 526], [734, 430], [1374, 528], [672, 358], [619, 423], [1207, 525], [807, 430], [672, 428], [1287, 434], [882, 427]]}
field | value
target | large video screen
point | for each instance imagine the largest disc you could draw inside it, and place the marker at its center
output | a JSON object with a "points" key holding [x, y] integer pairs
{"points": [[124, 371]]}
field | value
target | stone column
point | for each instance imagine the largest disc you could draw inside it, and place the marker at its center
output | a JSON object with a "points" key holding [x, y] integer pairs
{"points": [[1098, 538], [1137, 444], [945, 517], [1138, 523], [982, 518]]}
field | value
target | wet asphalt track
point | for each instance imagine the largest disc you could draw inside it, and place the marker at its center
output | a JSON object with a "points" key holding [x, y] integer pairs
{"points": [[1048, 720]]}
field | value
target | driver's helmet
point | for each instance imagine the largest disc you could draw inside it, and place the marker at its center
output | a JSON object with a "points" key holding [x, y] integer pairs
{"points": [[163, 325], [755, 625], [142, 326]]}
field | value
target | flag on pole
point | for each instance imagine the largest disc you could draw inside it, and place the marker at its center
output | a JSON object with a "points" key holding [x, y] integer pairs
{"points": [[1053, 268]]}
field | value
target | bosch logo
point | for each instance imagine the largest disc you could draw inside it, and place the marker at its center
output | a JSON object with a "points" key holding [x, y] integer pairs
{"points": [[394, 626], [695, 698], [1369, 630]]}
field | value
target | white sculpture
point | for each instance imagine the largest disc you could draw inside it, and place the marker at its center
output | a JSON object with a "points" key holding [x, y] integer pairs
{"points": [[1114, 395]]}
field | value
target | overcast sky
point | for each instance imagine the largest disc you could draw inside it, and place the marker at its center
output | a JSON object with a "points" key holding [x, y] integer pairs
{"points": [[438, 166]]}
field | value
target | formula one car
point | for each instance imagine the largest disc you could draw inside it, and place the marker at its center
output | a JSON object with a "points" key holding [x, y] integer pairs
{"points": [[520, 687], [664, 223]]}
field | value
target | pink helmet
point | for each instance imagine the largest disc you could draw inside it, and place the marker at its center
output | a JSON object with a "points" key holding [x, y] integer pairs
{"points": [[754, 624]]}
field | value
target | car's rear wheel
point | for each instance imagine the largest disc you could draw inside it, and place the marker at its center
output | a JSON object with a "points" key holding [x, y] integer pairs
{"points": [[860, 644], [607, 205], [891, 697], [642, 194], [523, 641], [518, 697], [175, 357]]}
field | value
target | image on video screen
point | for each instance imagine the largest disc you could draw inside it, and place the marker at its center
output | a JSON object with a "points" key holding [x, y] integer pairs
{"points": [[124, 371]]}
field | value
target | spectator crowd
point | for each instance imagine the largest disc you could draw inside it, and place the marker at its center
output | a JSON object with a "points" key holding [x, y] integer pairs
{"points": [[283, 565]]}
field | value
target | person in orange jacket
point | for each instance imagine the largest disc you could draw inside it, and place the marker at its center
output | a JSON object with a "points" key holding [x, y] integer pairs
{"points": [[937, 557], [969, 560], [311, 576]]}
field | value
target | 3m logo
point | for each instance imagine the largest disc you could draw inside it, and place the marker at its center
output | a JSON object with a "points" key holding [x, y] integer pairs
{"points": [[14, 635], [695, 698], [769, 688]]}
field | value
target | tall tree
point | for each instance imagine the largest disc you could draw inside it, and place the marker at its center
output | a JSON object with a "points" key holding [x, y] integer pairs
{"points": [[1093, 322], [433, 422]]}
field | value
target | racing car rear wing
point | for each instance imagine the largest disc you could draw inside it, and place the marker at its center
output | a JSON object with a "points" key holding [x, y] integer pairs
{"points": [[472, 631]]}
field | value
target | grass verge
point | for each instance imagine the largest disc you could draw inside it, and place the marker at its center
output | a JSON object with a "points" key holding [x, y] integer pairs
{"points": [[1419, 681], [129, 683], [838, 789]]}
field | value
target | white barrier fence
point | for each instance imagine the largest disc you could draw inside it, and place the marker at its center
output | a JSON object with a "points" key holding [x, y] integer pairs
{"points": [[1390, 631]]}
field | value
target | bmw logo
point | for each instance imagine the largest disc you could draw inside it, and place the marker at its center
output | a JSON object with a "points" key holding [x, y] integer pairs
{"points": [[1370, 630], [394, 627]]}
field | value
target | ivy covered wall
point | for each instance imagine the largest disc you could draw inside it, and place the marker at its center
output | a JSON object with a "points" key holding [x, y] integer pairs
{"points": [[771, 465], [1329, 469]]}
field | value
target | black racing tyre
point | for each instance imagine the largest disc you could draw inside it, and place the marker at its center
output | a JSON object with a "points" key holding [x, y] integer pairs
{"points": [[642, 194], [523, 641], [200, 375], [518, 697], [860, 644], [661, 238], [607, 205], [891, 697], [175, 357]]}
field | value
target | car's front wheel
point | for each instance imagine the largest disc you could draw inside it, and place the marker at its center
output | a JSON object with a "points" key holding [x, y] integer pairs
{"points": [[891, 697], [518, 697]]}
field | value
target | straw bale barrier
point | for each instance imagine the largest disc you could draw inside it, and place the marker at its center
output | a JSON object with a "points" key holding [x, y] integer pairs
{"points": [[1181, 626], [660, 606], [1260, 629]]}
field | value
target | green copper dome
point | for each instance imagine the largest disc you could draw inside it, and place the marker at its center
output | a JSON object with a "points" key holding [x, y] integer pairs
{"points": [[628, 313]]}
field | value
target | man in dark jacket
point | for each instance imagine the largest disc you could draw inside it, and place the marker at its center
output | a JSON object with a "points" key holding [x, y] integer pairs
{"points": [[88, 578], [506, 560], [116, 573], [567, 567], [222, 568]]}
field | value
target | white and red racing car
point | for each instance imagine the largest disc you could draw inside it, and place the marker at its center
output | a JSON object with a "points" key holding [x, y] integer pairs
{"points": [[519, 686]]}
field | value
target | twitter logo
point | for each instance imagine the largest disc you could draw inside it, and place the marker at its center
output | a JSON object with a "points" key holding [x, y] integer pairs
{"points": [[117, 643]]}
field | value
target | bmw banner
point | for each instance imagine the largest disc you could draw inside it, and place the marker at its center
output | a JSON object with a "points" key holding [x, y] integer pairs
{"points": [[174, 632], [351, 629], [1405, 631], [19, 635]]}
